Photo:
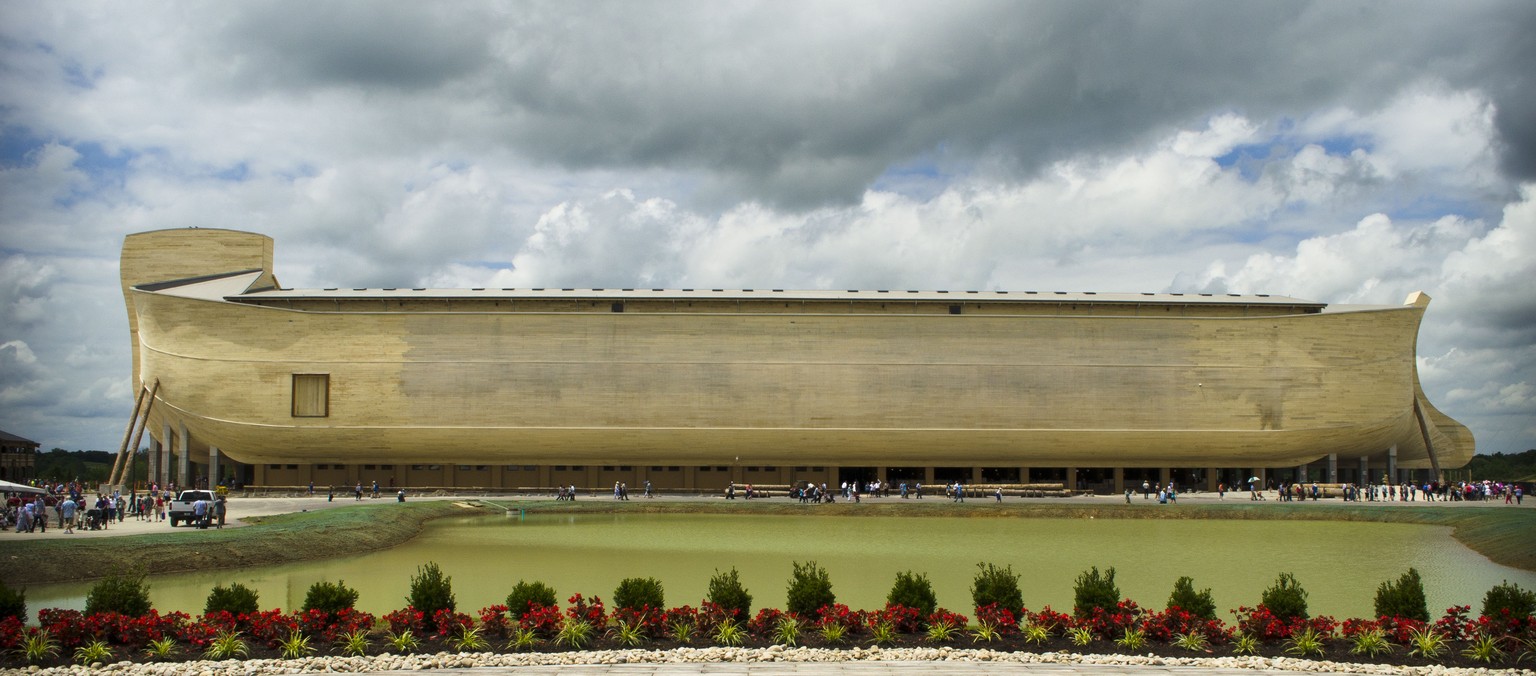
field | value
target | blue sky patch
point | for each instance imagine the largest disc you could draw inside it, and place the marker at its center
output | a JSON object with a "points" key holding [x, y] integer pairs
{"points": [[237, 173]]}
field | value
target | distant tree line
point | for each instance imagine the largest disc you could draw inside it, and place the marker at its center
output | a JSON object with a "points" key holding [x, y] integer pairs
{"points": [[88, 466], [1501, 466]]}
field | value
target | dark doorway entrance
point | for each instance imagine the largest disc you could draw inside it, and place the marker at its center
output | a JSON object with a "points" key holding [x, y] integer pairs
{"points": [[859, 474], [1000, 475], [1048, 475], [949, 475]]}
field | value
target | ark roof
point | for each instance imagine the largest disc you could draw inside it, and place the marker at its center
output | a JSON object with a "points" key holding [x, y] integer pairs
{"points": [[570, 293], [237, 286]]}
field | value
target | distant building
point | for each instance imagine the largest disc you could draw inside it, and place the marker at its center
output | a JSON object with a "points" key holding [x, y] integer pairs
{"points": [[18, 458], [694, 388]]}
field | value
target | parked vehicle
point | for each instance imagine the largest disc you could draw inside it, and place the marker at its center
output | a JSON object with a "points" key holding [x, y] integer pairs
{"points": [[181, 509]]}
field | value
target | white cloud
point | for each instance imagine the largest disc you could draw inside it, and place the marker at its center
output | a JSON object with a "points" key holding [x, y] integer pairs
{"points": [[1346, 155]]}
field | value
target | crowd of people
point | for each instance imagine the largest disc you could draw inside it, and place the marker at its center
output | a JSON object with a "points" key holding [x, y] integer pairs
{"points": [[1429, 491], [70, 507]]}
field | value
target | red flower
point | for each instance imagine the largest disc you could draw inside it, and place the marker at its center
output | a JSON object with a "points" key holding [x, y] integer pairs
{"points": [[11, 632], [1050, 619], [766, 622], [998, 618], [590, 610], [942, 616], [903, 619], [270, 626], [651, 621], [687, 614], [450, 622], [839, 614], [68, 627], [406, 619], [711, 615], [544, 620], [493, 620]]}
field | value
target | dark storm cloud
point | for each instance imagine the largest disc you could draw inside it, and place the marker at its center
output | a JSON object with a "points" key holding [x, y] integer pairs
{"points": [[807, 104], [801, 105], [1516, 120], [406, 45]]}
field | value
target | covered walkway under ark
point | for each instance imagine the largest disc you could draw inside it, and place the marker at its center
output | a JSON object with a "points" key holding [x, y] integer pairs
{"points": [[1096, 480], [174, 458]]}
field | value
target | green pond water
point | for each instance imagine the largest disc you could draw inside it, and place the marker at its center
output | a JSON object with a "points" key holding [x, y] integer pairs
{"points": [[1339, 563]]}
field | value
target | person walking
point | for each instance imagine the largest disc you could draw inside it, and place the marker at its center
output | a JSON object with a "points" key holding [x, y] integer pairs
{"points": [[40, 514], [219, 510], [67, 513]]}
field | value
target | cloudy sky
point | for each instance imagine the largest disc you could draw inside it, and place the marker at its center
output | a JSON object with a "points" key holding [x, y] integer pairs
{"points": [[1345, 152]]}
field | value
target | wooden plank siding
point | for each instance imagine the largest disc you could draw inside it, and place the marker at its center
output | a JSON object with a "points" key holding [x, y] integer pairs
{"points": [[505, 382]]}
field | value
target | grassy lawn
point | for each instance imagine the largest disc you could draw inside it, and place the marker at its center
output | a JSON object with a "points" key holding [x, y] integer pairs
{"points": [[279, 538]]}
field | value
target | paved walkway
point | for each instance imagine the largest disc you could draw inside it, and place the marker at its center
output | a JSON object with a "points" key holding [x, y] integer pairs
{"points": [[848, 669], [240, 507]]}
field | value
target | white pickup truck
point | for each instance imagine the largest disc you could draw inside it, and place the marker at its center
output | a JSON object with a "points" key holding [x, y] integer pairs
{"points": [[181, 508]]}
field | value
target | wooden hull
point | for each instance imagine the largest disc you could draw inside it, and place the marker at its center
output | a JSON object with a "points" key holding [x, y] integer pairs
{"points": [[691, 388]]}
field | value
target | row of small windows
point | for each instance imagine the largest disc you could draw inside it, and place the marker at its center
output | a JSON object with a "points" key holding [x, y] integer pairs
{"points": [[461, 468], [366, 467], [557, 468]]}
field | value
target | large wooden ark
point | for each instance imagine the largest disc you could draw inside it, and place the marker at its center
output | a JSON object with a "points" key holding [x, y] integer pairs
{"points": [[691, 387]]}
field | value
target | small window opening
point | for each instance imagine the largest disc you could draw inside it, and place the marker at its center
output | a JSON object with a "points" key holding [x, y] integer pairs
{"points": [[311, 395]]}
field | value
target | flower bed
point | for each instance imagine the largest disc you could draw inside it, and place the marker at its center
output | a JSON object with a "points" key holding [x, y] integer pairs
{"points": [[1456, 639]]}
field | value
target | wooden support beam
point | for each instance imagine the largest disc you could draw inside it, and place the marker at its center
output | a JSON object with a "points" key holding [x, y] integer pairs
{"points": [[133, 421], [148, 406], [1429, 446]]}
